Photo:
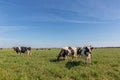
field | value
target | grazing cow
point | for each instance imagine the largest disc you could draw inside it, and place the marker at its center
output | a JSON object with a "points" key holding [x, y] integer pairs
{"points": [[69, 51], [20, 50], [86, 53]]}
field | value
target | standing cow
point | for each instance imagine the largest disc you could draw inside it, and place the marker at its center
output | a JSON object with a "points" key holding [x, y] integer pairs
{"points": [[69, 51], [22, 49], [86, 53]]}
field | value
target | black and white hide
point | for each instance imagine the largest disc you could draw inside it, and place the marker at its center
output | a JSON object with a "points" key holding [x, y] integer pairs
{"points": [[68, 51], [20, 50], [86, 53]]}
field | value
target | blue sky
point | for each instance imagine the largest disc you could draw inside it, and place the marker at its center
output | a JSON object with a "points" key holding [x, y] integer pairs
{"points": [[59, 23]]}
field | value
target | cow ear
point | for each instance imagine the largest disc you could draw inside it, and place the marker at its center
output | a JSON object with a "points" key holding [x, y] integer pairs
{"points": [[86, 48], [91, 48], [69, 47]]}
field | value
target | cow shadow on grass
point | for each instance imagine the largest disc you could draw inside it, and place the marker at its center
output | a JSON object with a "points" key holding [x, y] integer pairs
{"points": [[71, 64], [55, 60]]}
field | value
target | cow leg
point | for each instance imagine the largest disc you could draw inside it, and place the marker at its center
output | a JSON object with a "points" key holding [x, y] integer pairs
{"points": [[19, 53], [66, 57], [28, 52], [75, 55], [72, 57], [85, 59], [89, 58]]}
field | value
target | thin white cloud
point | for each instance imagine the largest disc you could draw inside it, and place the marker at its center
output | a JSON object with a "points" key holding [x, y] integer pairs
{"points": [[8, 3], [57, 18], [108, 10], [105, 10], [80, 21], [12, 28]]}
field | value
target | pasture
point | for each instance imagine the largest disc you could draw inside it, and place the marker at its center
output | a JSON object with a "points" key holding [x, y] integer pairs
{"points": [[42, 65]]}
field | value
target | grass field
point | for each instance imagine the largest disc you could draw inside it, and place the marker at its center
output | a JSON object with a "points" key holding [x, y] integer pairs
{"points": [[41, 65]]}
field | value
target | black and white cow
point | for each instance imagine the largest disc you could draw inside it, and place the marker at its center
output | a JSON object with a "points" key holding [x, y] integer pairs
{"points": [[86, 53], [22, 49], [69, 51]]}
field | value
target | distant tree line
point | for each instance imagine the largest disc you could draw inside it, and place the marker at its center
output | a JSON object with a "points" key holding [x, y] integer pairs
{"points": [[106, 47], [1, 48], [42, 48]]}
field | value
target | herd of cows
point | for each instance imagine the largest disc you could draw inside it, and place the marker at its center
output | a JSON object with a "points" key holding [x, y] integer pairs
{"points": [[85, 52]]}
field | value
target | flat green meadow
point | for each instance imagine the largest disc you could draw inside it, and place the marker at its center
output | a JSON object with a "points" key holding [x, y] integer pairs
{"points": [[42, 65]]}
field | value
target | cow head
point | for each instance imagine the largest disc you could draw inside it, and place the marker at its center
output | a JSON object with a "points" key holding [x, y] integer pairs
{"points": [[62, 53], [16, 49], [29, 48], [87, 53], [88, 49], [79, 50]]}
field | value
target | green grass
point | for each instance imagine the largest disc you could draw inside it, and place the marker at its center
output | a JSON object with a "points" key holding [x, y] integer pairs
{"points": [[42, 65]]}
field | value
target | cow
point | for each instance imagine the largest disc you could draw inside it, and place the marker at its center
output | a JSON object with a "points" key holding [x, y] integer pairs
{"points": [[22, 49], [86, 53], [68, 51]]}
